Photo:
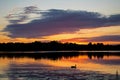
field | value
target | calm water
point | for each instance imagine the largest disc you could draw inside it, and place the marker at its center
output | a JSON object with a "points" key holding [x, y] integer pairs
{"points": [[30, 66]]}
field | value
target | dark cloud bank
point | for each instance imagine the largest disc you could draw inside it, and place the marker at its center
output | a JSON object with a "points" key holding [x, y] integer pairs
{"points": [[56, 21], [106, 38], [115, 38]]}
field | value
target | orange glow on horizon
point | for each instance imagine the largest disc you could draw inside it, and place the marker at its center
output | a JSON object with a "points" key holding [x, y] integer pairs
{"points": [[79, 37]]}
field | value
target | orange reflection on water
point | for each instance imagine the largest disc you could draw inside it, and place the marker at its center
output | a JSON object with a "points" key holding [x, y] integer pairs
{"points": [[109, 64]]}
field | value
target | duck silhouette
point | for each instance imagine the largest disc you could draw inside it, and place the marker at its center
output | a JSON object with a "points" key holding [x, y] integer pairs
{"points": [[74, 66]]}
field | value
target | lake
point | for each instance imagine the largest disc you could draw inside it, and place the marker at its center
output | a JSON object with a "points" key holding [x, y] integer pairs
{"points": [[56, 65]]}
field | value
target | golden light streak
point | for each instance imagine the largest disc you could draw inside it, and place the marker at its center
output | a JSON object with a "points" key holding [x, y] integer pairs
{"points": [[87, 33], [77, 37]]}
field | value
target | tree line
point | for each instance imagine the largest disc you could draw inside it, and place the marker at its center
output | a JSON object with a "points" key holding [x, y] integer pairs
{"points": [[54, 46]]}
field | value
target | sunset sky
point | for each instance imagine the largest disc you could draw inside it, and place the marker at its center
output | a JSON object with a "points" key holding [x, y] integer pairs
{"points": [[77, 21]]}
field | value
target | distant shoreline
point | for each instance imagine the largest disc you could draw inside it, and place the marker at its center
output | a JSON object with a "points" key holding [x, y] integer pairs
{"points": [[57, 46], [65, 51]]}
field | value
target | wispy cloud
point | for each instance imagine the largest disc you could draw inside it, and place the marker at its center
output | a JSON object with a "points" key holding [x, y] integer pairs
{"points": [[56, 21], [22, 15]]}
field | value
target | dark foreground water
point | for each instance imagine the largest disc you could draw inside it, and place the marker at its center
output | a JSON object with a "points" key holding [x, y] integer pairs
{"points": [[51, 65]]}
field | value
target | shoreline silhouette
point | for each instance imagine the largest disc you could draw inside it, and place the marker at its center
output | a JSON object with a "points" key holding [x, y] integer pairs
{"points": [[55, 46]]}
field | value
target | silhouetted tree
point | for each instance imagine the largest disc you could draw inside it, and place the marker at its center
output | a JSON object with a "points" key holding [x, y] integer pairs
{"points": [[54, 46]]}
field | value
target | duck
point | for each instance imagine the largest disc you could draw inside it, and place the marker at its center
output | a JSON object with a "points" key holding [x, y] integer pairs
{"points": [[74, 66]]}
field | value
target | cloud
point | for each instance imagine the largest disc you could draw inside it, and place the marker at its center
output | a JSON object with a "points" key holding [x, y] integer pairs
{"points": [[114, 19], [22, 15], [56, 21], [114, 38], [30, 9]]}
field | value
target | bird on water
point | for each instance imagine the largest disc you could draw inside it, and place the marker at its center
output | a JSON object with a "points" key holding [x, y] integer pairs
{"points": [[74, 66]]}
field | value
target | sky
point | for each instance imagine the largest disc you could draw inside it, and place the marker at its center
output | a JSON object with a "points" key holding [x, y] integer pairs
{"points": [[76, 21]]}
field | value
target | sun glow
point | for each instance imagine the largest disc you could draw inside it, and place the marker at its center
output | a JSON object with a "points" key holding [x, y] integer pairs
{"points": [[83, 34]]}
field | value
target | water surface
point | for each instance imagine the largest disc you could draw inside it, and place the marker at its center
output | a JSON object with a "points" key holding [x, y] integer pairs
{"points": [[39, 65]]}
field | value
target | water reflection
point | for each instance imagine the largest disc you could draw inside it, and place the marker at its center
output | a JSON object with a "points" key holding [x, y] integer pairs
{"points": [[59, 55], [52, 56], [24, 66]]}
